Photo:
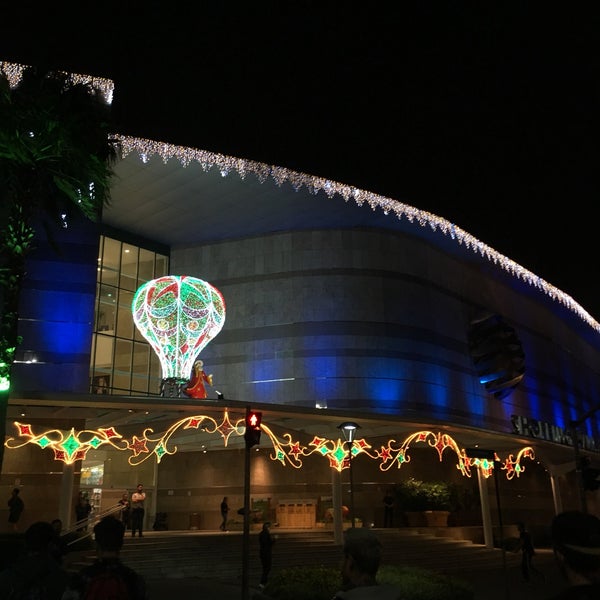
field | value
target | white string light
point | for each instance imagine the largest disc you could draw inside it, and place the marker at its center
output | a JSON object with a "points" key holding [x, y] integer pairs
{"points": [[226, 165], [14, 74]]}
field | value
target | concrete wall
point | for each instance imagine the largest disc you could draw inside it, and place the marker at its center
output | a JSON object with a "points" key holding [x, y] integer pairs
{"points": [[371, 320]]}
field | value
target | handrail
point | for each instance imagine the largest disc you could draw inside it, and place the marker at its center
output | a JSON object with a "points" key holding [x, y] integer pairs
{"points": [[89, 523]]}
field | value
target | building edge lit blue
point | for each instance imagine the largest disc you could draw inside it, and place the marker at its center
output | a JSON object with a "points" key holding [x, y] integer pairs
{"points": [[332, 301]]}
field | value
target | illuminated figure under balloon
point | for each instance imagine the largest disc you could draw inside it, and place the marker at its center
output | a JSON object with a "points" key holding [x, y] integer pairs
{"points": [[196, 387], [179, 316]]}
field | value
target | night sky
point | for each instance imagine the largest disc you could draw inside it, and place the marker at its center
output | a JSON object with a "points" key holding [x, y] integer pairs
{"points": [[482, 113]]}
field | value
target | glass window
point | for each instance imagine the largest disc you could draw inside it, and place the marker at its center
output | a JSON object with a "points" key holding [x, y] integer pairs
{"points": [[122, 360], [129, 267], [110, 262], [125, 324], [141, 367], [146, 268], [155, 374], [122, 366], [107, 304]]}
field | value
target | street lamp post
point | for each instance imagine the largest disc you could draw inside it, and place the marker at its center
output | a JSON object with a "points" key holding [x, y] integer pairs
{"points": [[349, 430], [490, 455]]}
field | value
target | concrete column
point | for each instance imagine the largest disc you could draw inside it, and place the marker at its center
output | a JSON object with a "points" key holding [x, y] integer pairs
{"points": [[65, 505], [554, 482], [488, 532], [153, 500], [336, 497]]}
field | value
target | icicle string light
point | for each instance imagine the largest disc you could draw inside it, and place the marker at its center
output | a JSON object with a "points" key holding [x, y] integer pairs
{"points": [[226, 165], [74, 446], [106, 87]]}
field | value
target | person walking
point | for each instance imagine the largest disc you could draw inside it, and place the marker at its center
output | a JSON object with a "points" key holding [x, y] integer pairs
{"points": [[266, 540], [137, 510], [527, 553], [125, 510], [107, 577], [15, 508], [224, 513]]}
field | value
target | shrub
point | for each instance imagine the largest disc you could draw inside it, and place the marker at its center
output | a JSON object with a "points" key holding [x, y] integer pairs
{"points": [[415, 495], [421, 584], [321, 583], [303, 583]]}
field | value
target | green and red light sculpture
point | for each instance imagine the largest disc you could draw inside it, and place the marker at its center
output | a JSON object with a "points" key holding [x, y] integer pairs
{"points": [[178, 316], [72, 446]]}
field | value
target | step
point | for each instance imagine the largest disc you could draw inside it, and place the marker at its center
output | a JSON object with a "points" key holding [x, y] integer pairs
{"points": [[219, 555]]}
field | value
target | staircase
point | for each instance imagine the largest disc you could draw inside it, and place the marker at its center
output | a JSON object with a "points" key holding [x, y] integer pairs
{"points": [[178, 554]]}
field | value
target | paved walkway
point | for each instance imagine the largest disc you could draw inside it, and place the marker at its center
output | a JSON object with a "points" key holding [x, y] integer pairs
{"points": [[495, 584]]}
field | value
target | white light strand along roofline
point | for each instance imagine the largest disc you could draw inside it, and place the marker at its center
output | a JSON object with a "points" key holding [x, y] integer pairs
{"points": [[106, 87], [226, 164]]}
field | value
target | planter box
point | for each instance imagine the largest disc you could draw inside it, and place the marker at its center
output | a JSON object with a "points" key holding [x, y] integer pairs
{"points": [[437, 518], [427, 518], [415, 518]]}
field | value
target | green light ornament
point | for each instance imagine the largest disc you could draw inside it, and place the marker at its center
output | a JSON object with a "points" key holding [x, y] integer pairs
{"points": [[179, 316]]}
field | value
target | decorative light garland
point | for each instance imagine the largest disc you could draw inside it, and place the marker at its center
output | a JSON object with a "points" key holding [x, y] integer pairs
{"points": [[227, 164], [73, 446], [106, 87], [178, 316]]}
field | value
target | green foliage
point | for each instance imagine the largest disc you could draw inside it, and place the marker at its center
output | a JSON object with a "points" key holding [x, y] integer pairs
{"points": [[55, 160], [416, 495], [420, 584], [303, 583], [321, 583]]}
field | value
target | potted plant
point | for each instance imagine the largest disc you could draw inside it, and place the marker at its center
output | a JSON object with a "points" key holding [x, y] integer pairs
{"points": [[425, 503]]}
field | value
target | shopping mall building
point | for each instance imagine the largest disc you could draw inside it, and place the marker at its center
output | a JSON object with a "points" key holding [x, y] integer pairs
{"points": [[341, 305]]}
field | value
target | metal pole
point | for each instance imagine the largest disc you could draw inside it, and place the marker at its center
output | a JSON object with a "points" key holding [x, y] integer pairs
{"points": [[246, 535], [336, 497], [351, 484], [501, 529], [486, 517]]}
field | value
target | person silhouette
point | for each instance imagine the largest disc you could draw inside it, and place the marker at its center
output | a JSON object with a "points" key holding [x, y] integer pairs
{"points": [[138, 511], [576, 544], [38, 574], [266, 540], [15, 508], [224, 513], [527, 552]]}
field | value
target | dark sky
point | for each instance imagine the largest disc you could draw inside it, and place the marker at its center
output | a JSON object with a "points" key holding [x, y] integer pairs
{"points": [[483, 113]]}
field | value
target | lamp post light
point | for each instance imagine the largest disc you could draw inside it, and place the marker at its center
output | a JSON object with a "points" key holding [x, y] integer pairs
{"points": [[349, 430]]}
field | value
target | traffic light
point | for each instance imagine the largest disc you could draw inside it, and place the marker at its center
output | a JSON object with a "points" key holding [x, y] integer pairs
{"points": [[252, 433]]}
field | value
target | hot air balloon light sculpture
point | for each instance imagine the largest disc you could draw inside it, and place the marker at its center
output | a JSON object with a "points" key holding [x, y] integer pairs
{"points": [[179, 316]]}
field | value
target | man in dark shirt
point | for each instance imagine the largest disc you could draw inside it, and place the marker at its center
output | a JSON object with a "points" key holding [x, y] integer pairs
{"points": [[108, 533]]}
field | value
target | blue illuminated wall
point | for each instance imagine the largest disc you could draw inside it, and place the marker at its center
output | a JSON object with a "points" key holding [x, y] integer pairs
{"points": [[373, 321], [57, 311]]}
